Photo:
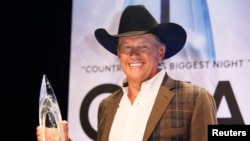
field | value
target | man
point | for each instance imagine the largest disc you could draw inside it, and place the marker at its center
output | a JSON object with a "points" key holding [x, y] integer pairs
{"points": [[150, 106]]}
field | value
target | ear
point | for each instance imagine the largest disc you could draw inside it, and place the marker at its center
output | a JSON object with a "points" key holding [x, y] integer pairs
{"points": [[161, 53]]}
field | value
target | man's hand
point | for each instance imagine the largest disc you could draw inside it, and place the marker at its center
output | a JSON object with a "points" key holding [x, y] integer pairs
{"points": [[52, 134]]}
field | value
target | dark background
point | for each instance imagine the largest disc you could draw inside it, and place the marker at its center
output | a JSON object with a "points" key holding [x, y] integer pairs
{"points": [[35, 41]]}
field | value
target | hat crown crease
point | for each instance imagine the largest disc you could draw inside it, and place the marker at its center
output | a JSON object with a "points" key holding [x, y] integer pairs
{"points": [[136, 19]]}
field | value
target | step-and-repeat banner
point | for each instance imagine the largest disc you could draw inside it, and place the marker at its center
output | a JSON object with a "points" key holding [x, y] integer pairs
{"points": [[216, 56]]}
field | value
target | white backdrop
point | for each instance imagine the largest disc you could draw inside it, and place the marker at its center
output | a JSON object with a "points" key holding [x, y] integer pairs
{"points": [[216, 56]]}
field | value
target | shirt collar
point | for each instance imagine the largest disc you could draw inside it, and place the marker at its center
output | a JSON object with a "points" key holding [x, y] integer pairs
{"points": [[157, 78]]}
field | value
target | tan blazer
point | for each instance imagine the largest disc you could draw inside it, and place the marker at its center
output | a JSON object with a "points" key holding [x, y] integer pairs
{"points": [[181, 112]]}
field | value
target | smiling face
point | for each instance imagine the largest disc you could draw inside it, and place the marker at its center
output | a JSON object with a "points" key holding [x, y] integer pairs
{"points": [[139, 56]]}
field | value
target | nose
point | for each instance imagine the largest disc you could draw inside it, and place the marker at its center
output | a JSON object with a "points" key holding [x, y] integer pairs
{"points": [[134, 51]]}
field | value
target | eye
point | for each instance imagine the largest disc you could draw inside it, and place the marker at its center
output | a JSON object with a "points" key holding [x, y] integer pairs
{"points": [[125, 49], [144, 47]]}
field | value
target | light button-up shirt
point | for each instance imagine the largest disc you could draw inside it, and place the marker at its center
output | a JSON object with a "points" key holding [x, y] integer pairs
{"points": [[130, 120]]}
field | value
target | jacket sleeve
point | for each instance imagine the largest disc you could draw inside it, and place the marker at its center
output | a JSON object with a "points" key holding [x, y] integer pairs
{"points": [[204, 114]]}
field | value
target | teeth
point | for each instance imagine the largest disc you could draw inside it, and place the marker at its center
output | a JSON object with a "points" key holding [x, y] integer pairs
{"points": [[135, 65]]}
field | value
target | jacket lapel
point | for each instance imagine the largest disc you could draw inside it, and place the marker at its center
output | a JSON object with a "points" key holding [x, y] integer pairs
{"points": [[114, 104], [163, 99]]}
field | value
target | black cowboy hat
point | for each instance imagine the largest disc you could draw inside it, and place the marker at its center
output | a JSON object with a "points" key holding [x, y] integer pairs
{"points": [[136, 20]]}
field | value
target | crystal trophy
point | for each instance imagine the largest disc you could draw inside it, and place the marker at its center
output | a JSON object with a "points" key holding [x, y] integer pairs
{"points": [[49, 113]]}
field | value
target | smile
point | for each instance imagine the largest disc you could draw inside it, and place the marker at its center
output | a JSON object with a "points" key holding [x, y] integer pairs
{"points": [[135, 64]]}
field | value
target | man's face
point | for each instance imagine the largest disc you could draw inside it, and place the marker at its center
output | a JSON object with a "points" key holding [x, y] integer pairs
{"points": [[139, 56]]}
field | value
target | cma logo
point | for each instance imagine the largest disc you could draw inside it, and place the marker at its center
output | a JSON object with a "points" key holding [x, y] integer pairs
{"points": [[223, 89]]}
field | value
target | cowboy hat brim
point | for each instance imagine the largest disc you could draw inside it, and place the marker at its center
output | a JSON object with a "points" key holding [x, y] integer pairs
{"points": [[172, 34]]}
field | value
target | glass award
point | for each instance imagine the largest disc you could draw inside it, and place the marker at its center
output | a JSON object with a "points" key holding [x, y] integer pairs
{"points": [[49, 113]]}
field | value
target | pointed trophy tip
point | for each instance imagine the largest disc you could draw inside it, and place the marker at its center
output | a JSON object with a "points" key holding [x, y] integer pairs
{"points": [[45, 77], [46, 88], [45, 80]]}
